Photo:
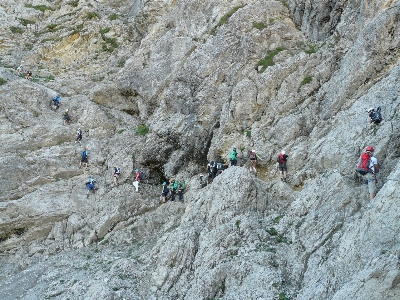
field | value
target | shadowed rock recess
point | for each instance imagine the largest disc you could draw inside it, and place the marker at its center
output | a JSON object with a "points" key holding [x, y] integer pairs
{"points": [[166, 86]]}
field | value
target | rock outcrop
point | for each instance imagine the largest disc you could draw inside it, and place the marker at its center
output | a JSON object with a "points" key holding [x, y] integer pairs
{"points": [[166, 87]]}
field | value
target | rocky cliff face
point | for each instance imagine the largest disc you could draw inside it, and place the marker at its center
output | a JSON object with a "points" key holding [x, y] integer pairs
{"points": [[165, 86]]}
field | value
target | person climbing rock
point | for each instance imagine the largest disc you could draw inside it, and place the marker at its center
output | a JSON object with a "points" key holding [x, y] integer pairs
{"points": [[90, 186], [282, 159], [203, 181], [78, 136], [181, 189], [374, 116], [368, 167], [233, 157], [28, 75], [174, 188], [210, 167], [19, 69], [137, 180], [116, 174], [66, 117], [85, 157], [164, 192], [56, 102], [253, 161]]}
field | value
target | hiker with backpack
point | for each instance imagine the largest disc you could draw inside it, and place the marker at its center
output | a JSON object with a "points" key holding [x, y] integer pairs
{"points": [[164, 192], [253, 161], [374, 116], [212, 170], [90, 186], [181, 189], [282, 159], [116, 173], [368, 166], [85, 157], [138, 177], [56, 102], [233, 157], [78, 136], [66, 117], [174, 188]]}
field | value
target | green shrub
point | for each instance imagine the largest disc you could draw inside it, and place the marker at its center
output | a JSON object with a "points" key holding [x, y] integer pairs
{"points": [[73, 3], [272, 231], [112, 17], [248, 133], [277, 219], [142, 130], [91, 15], [259, 25], [25, 22], [268, 61], [38, 7], [104, 30], [284, 3], [16, 29], [282, 296], [2, 81], [29, 46], [225, 19], [52, 27], [306, 80], [311, 49], [121, 63]]}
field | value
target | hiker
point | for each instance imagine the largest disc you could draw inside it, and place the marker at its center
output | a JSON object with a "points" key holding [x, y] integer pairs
{"points": [[174, 188], [220, 166], [374, 117], [66, 117], [90, 186], [116, 173], [164, 193], [282, 159], [56, 102], [28, 75], [253, 161], [233, 157], [78, 136], [181, 189], [368, 166], [203, 181], [85, 157], [19, 69]]}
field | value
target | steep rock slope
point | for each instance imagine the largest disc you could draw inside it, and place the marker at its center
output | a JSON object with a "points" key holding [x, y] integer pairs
{"points": [[191, 72]]}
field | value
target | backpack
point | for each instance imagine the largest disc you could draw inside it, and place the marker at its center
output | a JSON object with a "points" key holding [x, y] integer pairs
{"points": [[175, 185], [219, 166], [84, 154], [363, 167], [253, 155], [377, 116], [281, 158], [117, 171], [65, 114], [166, 190], [141, 175], [233, 155], [183, 185]]}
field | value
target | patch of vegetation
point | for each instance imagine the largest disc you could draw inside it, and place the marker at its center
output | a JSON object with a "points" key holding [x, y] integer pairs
{"points": [[15, 29], [29, 46], [25, 22], [121, 63], [268, 61], [73, 3], [53, 27], [248, 133], [35, 114], [272, 231], [311, 49], [237, 223], [38, 7], [275, 284], [91, 15], [281, 239], [282, 296], [112, 17], [284, 3], [109, 43], [259, 25], [277, 219], [49, 78], [2, 81], [306, 80], [225, 18], [121, 131], [142, 130]]}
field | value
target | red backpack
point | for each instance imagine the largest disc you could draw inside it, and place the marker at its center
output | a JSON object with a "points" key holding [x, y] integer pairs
{"points": [[281, 158], [363, 167]]}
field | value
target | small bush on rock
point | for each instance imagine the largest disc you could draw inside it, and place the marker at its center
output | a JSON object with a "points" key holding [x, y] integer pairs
{"points": [[142, 130]]}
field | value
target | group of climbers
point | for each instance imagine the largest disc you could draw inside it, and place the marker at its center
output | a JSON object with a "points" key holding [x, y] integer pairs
{"points": [[175, 187]]}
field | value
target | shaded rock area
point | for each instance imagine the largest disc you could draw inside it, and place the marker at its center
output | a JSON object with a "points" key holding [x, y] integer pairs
{"points": [[165, 87]]}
